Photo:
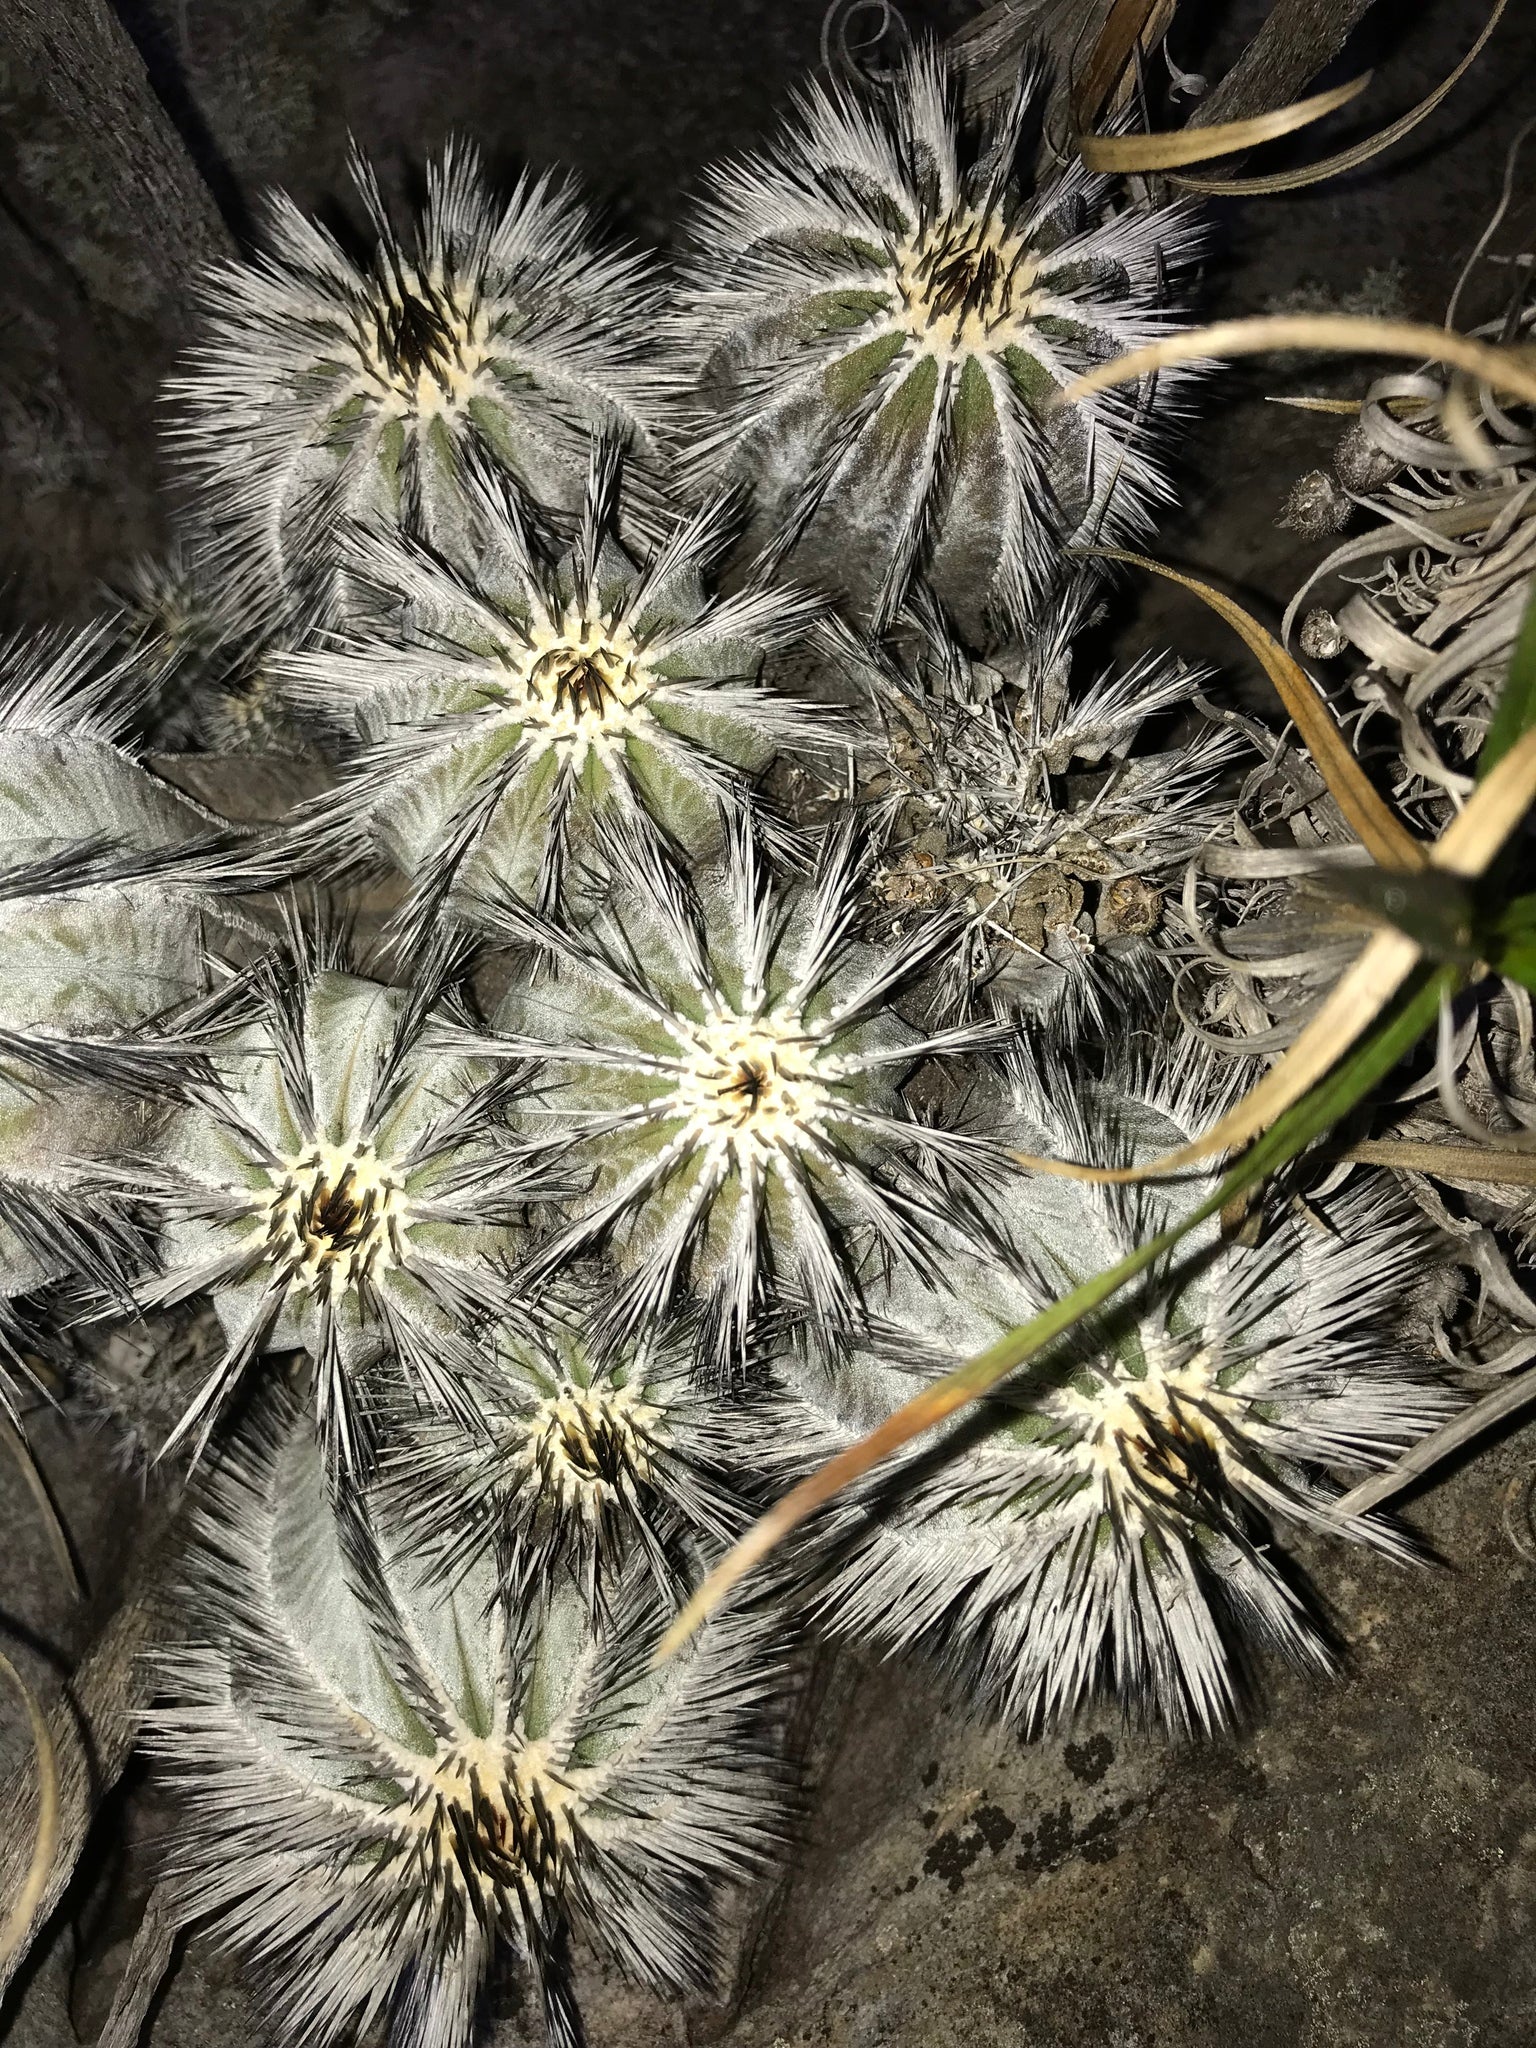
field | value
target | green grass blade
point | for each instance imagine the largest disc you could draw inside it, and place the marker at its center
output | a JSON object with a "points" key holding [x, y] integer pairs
{"points": [[1515, 712]]}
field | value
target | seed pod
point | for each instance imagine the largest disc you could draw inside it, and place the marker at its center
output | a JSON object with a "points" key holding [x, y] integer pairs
{"points": [[326, 391], [389, 1785], [878, 315], [726, 1066], [1113, 1519], [525, 708], [340, 1187]]}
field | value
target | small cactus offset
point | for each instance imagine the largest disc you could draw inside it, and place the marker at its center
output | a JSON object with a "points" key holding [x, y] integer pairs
{"points": [[550, 694], [718, 960], [880, 308], [581, 1453], [389, 1789], [326, 391]]}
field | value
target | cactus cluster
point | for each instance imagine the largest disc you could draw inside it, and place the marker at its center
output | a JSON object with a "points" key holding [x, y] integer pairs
{"points": [[712, 943]]}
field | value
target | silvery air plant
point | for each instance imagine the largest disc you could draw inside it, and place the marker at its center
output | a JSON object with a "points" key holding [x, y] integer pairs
{"points": [[1020, 799], [883, 305], [393, 1792], [1114, 1518], [518, 713], [326, 389], [653, 1131]]}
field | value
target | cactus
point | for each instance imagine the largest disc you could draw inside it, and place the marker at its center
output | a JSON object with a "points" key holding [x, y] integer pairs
{"points": [[324, 391], [580, 1455], [878, 312], [727, 1065], [342, 1187], [536, 701], [1114, 1522], [1009, 804], [388, 1785]]}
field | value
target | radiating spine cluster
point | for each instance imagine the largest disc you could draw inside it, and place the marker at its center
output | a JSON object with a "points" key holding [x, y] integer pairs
{"points": [[883, 309]]}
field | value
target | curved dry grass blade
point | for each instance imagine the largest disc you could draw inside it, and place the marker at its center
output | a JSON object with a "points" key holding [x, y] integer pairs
{"points": [[1426, 1454], [1166, 151], [1359, 152], [1508, 370], [1450, 1162], [37, 1486], [1388, 842], [18, 1920]]}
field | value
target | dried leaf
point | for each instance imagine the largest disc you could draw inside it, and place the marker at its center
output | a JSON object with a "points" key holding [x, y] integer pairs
{"points": [[1164, 151], [1448, 1162], [1358, 153], [1374, 825]]}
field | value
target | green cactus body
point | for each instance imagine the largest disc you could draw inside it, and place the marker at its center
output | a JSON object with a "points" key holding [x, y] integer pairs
{"points": [[326, 392], [537, 701], [730, 1077], [388, 1781], [1112, 1520], [581, 1454], [342, 1188]]}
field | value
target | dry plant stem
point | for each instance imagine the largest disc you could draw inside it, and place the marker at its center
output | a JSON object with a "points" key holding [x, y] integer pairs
{"points": [[1165, 151], [1507, 370], [1358, 153], [24, 1901], [1381, 1486], [1447, 1162], [94, 1733], [1298, 39]]}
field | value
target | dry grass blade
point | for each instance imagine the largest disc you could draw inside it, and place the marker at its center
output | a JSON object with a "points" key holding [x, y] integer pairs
{"points": [[37, 1486], [1508, 370], [1358, 153], [1166, 151], [1465, 848], [1451, 1162], [18, 1919], [1389, 844]]}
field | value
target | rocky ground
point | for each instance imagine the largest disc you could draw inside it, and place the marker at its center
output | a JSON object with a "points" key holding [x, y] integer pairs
{"points": [[1357, 1867]]}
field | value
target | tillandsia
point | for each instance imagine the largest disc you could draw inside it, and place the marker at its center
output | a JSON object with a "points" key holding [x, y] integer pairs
{"points": [[526, 706], [1028, 807], [583, 1453], [1114, 1519], [391, 1786], [324, 390], [725, 1061], [104, 924], [881, 308], [339, 1185]]}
